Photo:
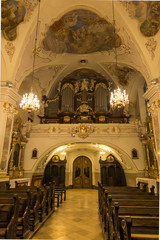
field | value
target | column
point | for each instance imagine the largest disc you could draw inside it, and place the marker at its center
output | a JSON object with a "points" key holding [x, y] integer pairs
{"points": [[153, 95], [9, 99]]}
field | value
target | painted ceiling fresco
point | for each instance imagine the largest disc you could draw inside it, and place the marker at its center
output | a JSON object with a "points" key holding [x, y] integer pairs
{"points": [[81, 31], [147, 13], [12, 14], [122, 73]]}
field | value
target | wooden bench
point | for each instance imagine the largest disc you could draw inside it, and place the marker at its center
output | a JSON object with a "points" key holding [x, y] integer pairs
{"points": [[131, 202], [24, 211], [138, 228], [9, 218], [46, 198], [122, 195], [34, 205]]}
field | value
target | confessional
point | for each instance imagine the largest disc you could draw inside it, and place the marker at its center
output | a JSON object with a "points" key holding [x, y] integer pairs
{"points": [[55, 171], [112, 173]]}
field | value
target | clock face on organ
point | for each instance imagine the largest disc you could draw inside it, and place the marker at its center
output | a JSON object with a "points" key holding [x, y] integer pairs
{"points": [[55, 158]]}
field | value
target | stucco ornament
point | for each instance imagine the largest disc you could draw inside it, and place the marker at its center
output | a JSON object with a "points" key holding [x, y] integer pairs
{"points": [[82, 131], [29, 6], [155, 106], [10, 49], [9, 109], [151, 45]]}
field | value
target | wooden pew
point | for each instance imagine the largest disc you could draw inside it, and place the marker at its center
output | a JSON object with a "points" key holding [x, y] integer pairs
{"points": [[24, 211], [138, 228], [9, 218], [122, 195], [45, 194], [125, 202], [34, 205], [115, 214], [125, 195], [61, 189]]}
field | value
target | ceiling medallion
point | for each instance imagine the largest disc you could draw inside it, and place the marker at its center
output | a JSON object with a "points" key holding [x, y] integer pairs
{"points": [[82, 131]]}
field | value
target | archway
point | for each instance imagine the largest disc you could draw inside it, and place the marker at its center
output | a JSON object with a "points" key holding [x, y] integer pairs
{"points": [[82, 172]]}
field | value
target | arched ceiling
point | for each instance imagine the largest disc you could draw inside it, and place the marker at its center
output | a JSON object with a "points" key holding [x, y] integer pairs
{"points": [[78, 34]]}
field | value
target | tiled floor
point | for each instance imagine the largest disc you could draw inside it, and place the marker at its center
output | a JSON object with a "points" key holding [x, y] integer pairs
{"points": [[75, 219]]}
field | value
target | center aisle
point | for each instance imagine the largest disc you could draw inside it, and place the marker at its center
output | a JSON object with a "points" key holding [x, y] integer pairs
{"points": [[76, 219]]}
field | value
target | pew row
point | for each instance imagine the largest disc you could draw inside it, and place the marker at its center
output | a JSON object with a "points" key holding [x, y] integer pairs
{"points": [[117, 203]]}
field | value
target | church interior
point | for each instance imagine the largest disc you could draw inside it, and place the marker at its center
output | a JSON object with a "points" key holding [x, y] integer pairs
{"points": [[79, 119]]}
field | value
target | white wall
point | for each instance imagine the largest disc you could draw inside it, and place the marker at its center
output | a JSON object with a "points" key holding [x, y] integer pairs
{"points": [[121, 137]]}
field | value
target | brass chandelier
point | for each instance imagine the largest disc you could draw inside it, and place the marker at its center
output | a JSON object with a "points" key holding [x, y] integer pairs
{"points": [[30, 101]]}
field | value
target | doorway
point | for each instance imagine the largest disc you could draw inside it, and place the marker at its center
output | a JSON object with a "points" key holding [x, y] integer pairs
{"points": [[82, 172]]}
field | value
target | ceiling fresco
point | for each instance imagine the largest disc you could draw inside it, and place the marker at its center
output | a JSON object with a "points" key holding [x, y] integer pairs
{"points": [[147, 13], [122, 73], [81, 32], [12, 14]]}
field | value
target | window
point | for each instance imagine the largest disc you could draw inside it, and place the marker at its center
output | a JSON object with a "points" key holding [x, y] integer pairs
{"points": [[134, 153], [34, 153]]}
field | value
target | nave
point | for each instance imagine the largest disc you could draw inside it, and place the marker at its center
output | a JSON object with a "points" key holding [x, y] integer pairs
{"points": [[77, 218]]}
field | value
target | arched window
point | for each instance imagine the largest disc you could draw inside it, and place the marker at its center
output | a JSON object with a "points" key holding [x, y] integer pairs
{"points": [[34, 153], [134, 153]]}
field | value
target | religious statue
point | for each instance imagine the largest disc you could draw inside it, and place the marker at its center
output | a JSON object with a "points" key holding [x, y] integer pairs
{"points": [[84, 85], [92, 85], [76, 89]]}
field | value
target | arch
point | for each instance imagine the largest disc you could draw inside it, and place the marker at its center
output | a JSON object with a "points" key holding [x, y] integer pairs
{"points": [[47, 154]]}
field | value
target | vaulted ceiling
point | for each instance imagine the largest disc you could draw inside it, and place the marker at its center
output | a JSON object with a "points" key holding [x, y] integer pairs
{"points": [[80, 34]]}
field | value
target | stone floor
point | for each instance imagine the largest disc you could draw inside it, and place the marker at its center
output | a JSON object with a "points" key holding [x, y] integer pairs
{"points": [[75, 219]]}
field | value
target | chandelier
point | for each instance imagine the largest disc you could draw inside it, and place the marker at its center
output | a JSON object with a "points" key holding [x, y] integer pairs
{"points": [[30, 101], [118, 99]]}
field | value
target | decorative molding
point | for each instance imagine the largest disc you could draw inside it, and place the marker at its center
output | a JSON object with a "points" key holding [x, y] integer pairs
{"points": [[155, 106], [29, 6], [151, 45], [113, 130], [82, 131], [9, 109], [10, 49]]}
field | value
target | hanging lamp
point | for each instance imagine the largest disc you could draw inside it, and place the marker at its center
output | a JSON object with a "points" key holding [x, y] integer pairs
{"points": [[118, 98], [30, 101]]}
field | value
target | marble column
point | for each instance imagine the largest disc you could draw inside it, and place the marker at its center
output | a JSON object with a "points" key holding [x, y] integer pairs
{"points": [[9, 99], [153, 95]]}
